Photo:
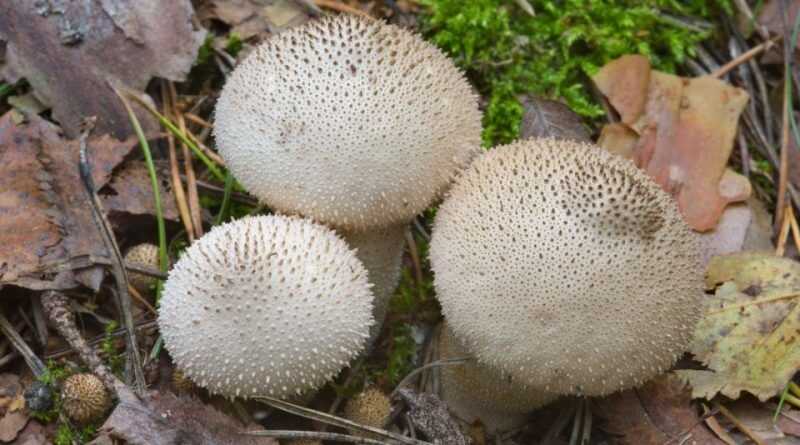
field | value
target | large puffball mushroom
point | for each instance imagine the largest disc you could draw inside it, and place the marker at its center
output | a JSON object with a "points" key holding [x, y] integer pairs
{"points": [[267, 305], [566, 267], [381, 252], [474, 391], [351, 122]]}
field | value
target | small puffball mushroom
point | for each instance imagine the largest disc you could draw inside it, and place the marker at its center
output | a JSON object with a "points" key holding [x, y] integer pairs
{"points": [[268, 305], [84, 397], [370, 407], [566, 267], [381, 251], [473, 391], [351, 122], [146, 255]]}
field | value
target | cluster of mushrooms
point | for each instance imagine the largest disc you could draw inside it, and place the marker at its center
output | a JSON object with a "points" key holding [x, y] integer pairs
{"points": [[561, 269]]}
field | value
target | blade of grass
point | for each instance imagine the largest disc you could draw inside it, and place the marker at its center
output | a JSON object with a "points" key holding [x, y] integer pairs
{"points": [[5, 88], [226, 200], [210, 165]]}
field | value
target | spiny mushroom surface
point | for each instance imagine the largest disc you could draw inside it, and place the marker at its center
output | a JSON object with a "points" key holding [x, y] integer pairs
{"points": [[381, 251], [268, 305], [566, 267], [474, 391], [84, 397], [144, 254], [370, 407], [351, 122]]}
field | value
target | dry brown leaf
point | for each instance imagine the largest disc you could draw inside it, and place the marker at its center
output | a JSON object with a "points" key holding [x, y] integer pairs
{"points": [[11, 424], [619, 139], [549, 118], [658, 412], [743, 226], [625, 82], [130, 191], [70, 51], [33, 434], [772, 17], [686, 135], [166, 419], [46, 219], [249, 18]]}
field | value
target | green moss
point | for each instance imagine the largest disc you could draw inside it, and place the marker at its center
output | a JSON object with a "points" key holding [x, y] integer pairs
{"points": [[116, 361], [506, 52], [67, 435]]}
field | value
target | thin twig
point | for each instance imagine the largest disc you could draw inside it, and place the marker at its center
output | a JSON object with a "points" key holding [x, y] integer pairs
{"points": [[739, 425], [442, 362], [188, 167], [177, 185], [34, 363], [341, 7], [197, 120], [744, 57], [134, 362], [135, 293], [335, 437]]}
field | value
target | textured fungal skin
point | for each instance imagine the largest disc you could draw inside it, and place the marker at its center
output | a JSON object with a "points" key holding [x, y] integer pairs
{"points": [[370, 407], [144, 254], [475, 391], [268, 305], [381, 252], [351, 122], [566, 267], [84, 397]]}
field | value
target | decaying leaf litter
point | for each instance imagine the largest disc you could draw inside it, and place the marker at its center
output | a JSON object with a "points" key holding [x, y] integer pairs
{"points": [[719, 136]]}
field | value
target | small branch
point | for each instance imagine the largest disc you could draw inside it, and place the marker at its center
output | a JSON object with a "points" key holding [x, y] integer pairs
{"points": [[335, 437], [744, 57], [34, 363]]}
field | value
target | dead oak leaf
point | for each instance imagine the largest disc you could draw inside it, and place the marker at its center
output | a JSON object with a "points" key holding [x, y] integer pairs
{"points": [[750, 333], [131, 191], [69, 52], [658, 412], [685, 131], [45, 217], [549, 118]]}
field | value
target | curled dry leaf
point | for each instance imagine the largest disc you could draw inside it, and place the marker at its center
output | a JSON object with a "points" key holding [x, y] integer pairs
{"points": [[749, 335], [69, 52], [46, 219], [130, 191], [249, 18], [549, 118], [685, 130], [657, 413]]}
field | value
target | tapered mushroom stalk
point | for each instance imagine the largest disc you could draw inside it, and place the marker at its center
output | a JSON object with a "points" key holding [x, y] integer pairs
{"points": [[474, 391], [267, 305], [566, 267], [352, 122]]}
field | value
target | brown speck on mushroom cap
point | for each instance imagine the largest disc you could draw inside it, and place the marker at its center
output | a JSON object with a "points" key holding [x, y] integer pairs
{"points": [[566, 267], [351, 122], [267, 305]]}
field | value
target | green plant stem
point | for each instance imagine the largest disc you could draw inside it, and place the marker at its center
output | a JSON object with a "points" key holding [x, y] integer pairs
{"points": [[226, 200]]}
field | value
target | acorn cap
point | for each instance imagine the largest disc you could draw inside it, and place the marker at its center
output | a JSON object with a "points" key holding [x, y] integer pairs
{"points": [[352, 122], [84, 398], [268, 305], [566, 267]]}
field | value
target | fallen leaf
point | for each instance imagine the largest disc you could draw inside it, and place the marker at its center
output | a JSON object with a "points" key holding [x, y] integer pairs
{"points": [[249, 18], [618, 139], [658, 412], [757, 417], [749, 335], [45, 216], [33, 434], [69, 52], [789, 421], [130, 191], [163, 418], [772, 16], [686, 132], [743, 226], [11, 424], [625, 82], [549, 118]]}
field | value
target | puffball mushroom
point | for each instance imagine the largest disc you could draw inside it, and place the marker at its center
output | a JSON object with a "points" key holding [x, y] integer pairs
{"points": [[566, 267], [381, 252], [352, 122], [266, 305], [84, 397], [474, 391], [370, 407], [144, 254]]}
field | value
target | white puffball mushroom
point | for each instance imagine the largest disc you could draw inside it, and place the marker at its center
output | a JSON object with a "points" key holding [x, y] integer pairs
{"points": [[266, 305], [566, 267], [474, 391], [381, 252], [348, 121]]}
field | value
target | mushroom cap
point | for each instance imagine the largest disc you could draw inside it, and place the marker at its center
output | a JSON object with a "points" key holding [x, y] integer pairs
{"points": [[381, 252], [475, 391], [269, 305], [370, 407], [351, 122], [566, 267], [144, 254], [84, 397]]}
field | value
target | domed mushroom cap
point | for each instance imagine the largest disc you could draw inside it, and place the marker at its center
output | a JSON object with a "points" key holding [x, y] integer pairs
{"points": [[351, 122], [84, 397], [381, 252], [370, 407], [145, 254], [566, 267], [266, 305], [474, 391]]}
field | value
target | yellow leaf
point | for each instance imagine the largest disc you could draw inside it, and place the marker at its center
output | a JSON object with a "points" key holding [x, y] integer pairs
{"points": [[750, 335]]}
